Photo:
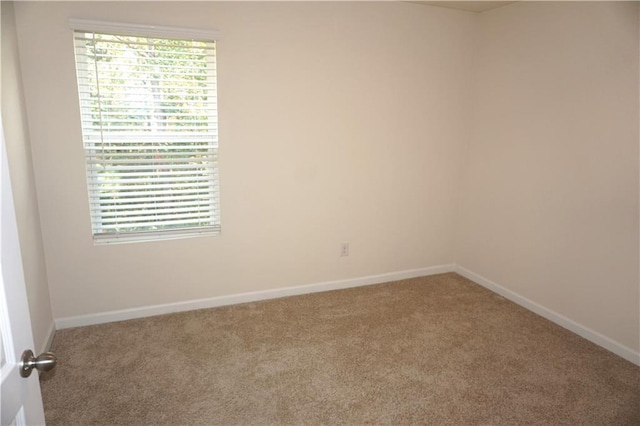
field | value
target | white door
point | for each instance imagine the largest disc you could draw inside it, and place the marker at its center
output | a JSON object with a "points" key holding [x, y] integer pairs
{"points": [[21, 399]]}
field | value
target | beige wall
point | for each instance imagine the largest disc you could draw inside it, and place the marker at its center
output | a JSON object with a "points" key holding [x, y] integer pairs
{"points": [[14, 121], [506, 142], [549, 200], [338, 123]]}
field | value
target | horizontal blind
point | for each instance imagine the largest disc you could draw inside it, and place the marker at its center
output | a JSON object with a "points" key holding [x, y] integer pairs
{"points": [[149, 125]]}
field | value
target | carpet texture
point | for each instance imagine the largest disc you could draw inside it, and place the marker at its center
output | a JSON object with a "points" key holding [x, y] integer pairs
{"points": [[431, 350]]}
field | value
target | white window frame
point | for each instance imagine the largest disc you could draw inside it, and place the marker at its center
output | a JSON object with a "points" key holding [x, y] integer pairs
{"points": [[121, 29]]}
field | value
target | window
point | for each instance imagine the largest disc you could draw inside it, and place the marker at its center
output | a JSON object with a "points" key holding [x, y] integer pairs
{"points": [[148, 108]]}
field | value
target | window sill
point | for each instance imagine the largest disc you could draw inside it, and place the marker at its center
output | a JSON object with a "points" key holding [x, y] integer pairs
{"points": [[143, 237]]}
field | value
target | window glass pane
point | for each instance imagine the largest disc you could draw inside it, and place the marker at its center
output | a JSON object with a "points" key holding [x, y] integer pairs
{"points": [[149, 123]]}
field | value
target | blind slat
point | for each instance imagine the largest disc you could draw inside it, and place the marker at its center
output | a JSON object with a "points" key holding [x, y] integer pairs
{"points": [[126, 188], [132, 170], [135, 225], [166, 180], [148, 137], [126, 207], [100, 203], [149, 195], [104, 114], [133, 80], [166, 147], [131, 176], [201, 162], [146, 215]]}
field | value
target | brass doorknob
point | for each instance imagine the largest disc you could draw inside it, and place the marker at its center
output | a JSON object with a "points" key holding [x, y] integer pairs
{"points": [[44, 362]]}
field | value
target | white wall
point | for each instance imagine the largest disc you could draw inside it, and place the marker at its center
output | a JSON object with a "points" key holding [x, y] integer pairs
{"points": [[14, 122], [549, 200], [338, 123]]}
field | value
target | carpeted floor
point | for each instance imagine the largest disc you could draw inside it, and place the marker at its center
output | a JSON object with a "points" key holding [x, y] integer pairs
{"points": [[431, 350]]}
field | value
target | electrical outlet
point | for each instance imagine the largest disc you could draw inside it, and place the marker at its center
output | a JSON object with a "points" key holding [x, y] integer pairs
{"points": [[344, 249]]}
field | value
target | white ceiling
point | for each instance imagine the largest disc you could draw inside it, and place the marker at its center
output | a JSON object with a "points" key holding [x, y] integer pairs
{"points": [[471, 6]]}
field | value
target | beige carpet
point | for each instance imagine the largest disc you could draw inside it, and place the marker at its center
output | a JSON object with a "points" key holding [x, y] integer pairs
{"points": [[433, 350]]}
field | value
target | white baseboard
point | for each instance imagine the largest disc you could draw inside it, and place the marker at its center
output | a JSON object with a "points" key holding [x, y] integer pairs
{"points": [[190, 305], [48, 340], [579, 329]]}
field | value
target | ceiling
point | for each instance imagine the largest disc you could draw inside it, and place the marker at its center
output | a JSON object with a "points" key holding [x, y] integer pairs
{"points": [[470, 6]]}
